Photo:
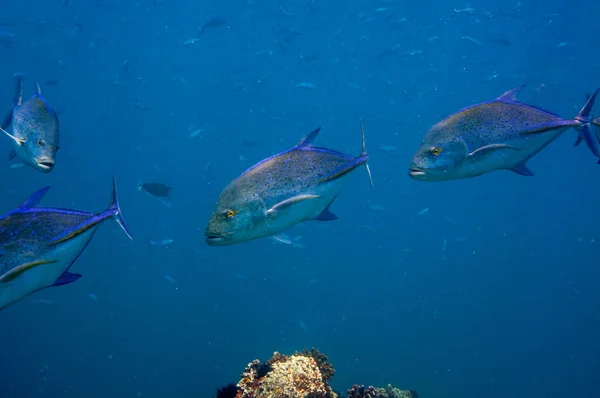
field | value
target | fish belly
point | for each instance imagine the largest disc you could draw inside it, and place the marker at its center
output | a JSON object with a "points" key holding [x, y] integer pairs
{"points": [[45, 275], [508, 158], [305, 210]]}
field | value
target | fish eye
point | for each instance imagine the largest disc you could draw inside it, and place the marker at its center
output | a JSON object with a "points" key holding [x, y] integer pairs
{"points": [[230, 213], [436, 151], [39, 142]]}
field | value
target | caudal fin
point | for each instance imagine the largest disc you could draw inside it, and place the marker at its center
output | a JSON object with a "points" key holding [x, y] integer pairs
{"points": [[363, 154], [114, 208], [585, 132]]}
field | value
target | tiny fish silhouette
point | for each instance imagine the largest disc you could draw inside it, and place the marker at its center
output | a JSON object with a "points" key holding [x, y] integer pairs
{"points": [[155, 188]]}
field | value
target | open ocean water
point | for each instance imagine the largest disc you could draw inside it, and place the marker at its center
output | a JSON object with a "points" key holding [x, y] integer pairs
{"points": [[484, 287]]}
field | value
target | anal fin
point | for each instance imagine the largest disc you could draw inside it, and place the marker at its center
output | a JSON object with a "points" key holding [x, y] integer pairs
{"points": [[523, 170], [66, 278], [326, 215]]}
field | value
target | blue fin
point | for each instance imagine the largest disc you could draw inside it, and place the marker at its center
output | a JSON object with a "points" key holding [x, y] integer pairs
{"points": [[116, 210], [585, 132], [327, 215], [523, 170], [363, 158], [113, 211], [34, 198], [12, 154], [66, 278], [306, 141], [18, 98], [511, 95]]}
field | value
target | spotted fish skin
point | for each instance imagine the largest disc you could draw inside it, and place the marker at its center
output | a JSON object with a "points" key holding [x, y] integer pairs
{"points": [[502, 134], [34, 129], [280, 191], [38, 245]]}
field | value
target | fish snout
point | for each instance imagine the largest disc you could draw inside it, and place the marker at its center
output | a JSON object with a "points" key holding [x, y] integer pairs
{"points": [[415, 172], [45, 164], [215, 239]]}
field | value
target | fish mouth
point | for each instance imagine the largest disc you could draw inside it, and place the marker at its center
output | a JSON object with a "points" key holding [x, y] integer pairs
{"points": [[218, 239], [47, 165], [416, 173]]}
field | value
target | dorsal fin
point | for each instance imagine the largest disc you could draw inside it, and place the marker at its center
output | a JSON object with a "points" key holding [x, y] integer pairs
{"points": [[18, 98], [511, 95], [38, 90], [306, 141], [34, 198]]}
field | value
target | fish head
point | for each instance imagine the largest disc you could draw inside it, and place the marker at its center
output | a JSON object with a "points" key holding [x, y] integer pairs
{"points": [[440, 156], [36, 125], [234, 219]]}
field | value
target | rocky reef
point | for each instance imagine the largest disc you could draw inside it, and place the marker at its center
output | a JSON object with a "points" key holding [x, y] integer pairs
{"points": [[386, 392], [301, 375]]}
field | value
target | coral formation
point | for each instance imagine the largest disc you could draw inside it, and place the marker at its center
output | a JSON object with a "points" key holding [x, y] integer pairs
{"points": [[321, 359], [301, 375], [361, 392], [295, 376], [387, 392]]}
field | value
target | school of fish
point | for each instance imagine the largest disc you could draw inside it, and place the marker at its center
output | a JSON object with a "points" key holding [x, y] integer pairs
{"points": [[39, 245]]}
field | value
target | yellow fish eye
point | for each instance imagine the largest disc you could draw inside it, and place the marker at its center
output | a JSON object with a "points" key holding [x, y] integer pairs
{"points": [[230, 213], [436, 151]]}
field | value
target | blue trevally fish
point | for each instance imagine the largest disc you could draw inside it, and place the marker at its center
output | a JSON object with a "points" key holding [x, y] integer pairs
{"points": [[33, 127], [38, 245], [502, 134], [283, 190]]}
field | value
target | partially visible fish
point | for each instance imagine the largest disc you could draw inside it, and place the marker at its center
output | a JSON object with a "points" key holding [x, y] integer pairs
{"points": [[502, 134], [33, 127], [283, 190], [38, 245], [288, 240]]}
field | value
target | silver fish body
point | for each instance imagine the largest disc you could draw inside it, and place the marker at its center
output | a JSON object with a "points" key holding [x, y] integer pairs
{"points": [[34, 129], [281, 191], [40, 244], [502, 134]]}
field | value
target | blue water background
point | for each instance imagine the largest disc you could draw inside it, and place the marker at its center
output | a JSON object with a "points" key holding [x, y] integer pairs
{"points": [[492, 292]]}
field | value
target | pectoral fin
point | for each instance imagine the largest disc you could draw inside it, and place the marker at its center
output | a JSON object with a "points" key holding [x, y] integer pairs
{"points": [[487, 149], [17, 271], [286, 204], [66, 278], [18, 141]]}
